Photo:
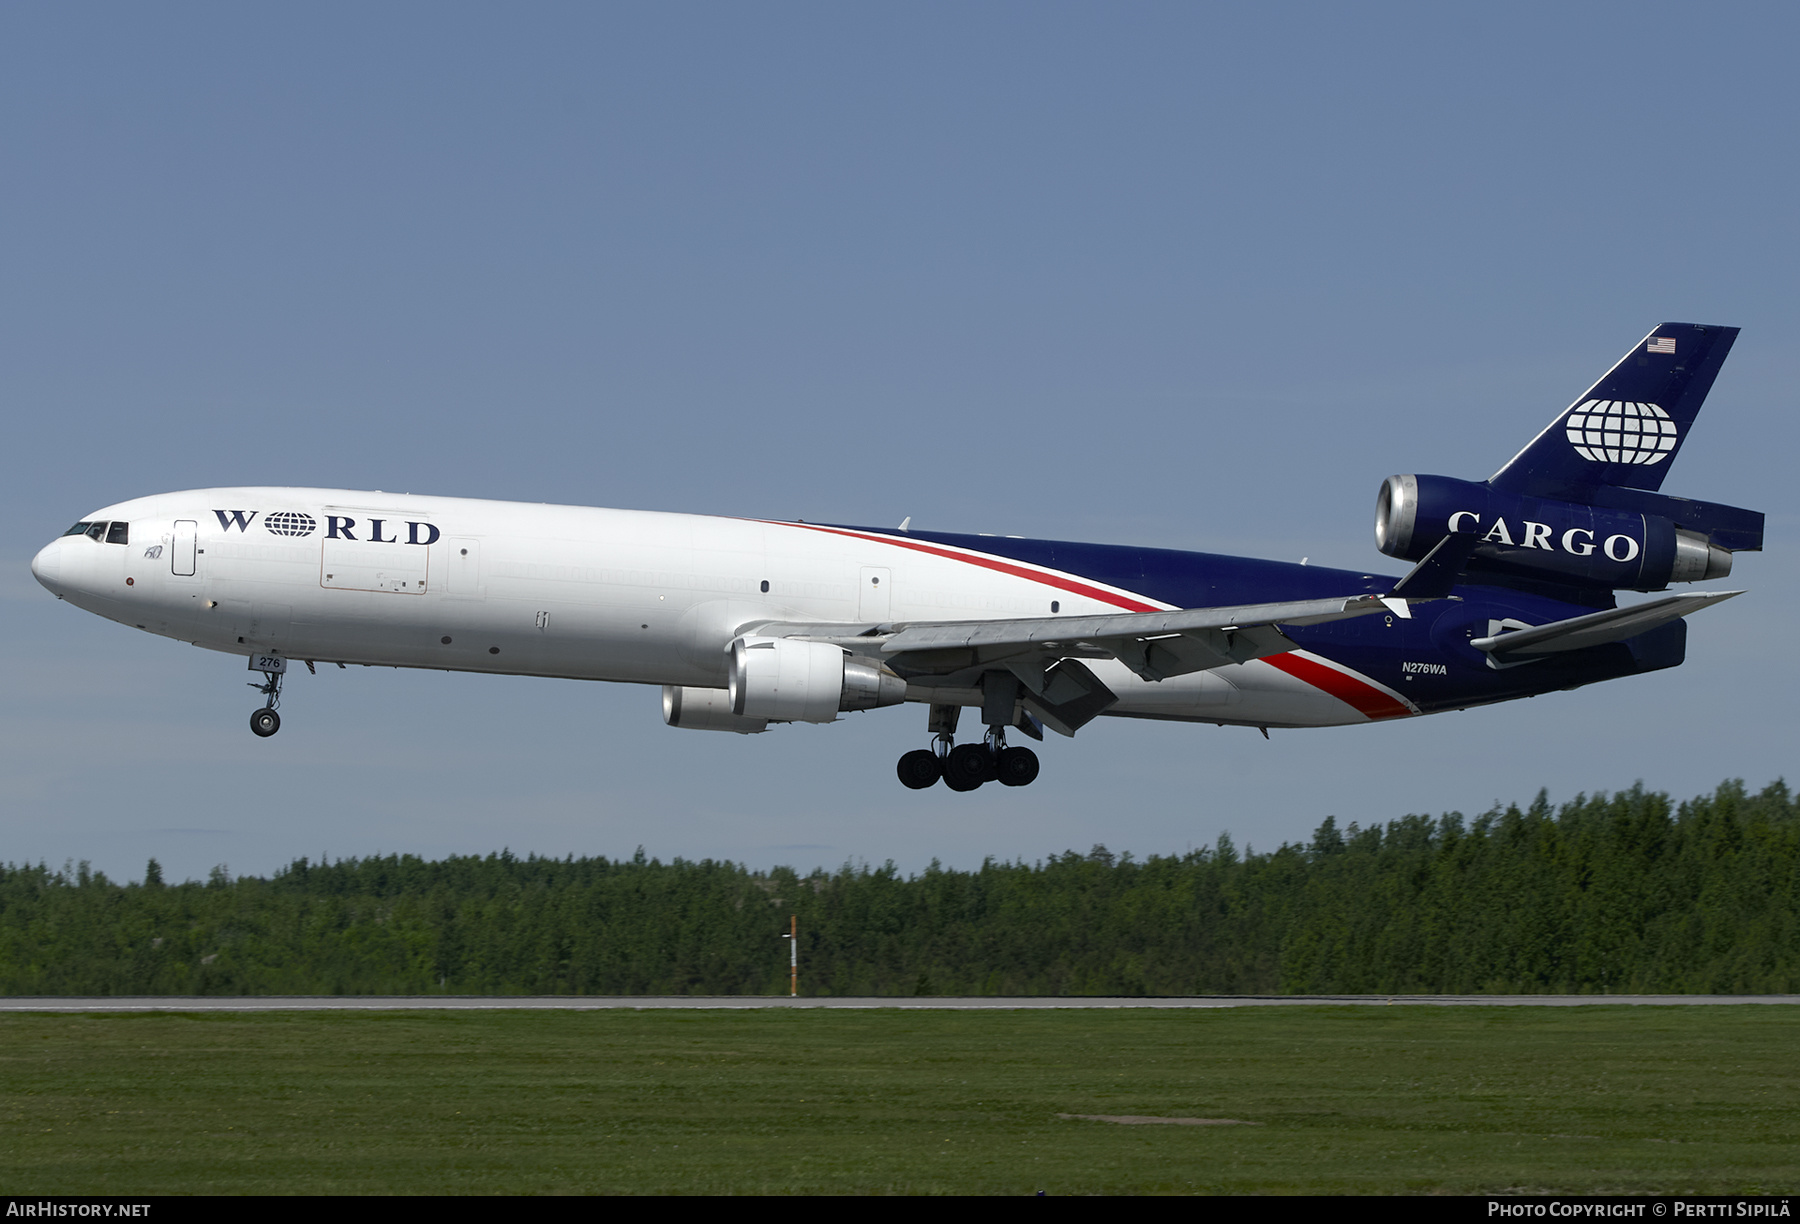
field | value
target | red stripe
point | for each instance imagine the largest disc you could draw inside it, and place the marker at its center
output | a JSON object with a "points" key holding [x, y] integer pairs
{"points": [[1354, 692], [1346, 688], [1018, 571]]}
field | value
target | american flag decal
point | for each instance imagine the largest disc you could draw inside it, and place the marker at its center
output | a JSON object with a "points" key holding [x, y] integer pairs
{"points": [[1660, 344]]}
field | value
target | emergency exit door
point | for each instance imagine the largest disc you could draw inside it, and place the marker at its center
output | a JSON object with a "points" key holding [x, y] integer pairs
{"points": [[876, 599]]}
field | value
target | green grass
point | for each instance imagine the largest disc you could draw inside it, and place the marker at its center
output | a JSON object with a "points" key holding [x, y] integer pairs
{"points": [[1347, 1100]]}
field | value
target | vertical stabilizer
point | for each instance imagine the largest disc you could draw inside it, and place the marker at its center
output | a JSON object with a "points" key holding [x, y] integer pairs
{"points": [[1626, 429]]}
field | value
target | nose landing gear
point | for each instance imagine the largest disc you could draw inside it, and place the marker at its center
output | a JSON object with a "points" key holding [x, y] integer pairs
{"points": [[266, 722]]}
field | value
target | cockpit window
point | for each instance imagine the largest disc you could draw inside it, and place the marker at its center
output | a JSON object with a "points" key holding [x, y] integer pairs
{"points": [[96, 531], [78, 529], [118, 533]]}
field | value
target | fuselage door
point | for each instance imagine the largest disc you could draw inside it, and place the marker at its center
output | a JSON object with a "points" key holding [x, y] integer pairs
{"points": [[875, 599], [460, 568], [375, 550], [187, 540]]}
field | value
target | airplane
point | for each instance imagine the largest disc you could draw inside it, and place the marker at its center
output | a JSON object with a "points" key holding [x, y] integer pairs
{"points": [[745, 623]]}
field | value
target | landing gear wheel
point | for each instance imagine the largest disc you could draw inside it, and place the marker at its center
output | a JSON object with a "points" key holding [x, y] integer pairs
{"points": [[968, 766], [919, 769], [1018, 767], [265, 723]]}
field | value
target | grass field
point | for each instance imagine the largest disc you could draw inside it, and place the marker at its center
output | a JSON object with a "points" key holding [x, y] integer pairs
{"points": [[1342, 1100]]}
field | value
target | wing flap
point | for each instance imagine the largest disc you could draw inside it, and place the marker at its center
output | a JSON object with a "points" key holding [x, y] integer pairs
{"points": [[1065, 696], [1160, 657]]}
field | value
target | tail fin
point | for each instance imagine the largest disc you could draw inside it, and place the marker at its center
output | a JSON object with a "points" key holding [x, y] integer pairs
{"points": [[1627, 428]]}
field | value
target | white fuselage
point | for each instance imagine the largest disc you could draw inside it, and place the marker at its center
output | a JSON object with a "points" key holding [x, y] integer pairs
{"points": [[570, 591]]}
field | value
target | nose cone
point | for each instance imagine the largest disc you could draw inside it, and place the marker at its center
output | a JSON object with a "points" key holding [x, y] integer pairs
{"points": [[47, 566]]}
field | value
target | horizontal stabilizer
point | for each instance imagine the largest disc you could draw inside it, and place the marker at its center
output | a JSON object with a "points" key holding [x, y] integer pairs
{"points": [[1597, 628]]}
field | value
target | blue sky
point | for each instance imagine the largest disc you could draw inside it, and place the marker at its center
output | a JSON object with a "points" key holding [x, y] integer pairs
{"points": [[1197, 277]]}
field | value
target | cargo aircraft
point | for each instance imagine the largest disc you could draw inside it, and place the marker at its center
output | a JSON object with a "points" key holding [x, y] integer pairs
{"points": [[746, 623]]}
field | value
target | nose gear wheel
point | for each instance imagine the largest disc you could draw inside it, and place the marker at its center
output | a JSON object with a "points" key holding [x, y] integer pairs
{"points": [[266, 722]]}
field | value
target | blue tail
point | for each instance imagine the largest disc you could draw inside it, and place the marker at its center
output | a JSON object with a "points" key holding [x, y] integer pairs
{"points": [[1626, 429], [1580, 508]]}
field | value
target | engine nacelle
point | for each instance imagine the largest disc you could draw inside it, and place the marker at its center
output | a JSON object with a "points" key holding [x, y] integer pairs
{"points": [[786, 680], [705, 709], [1536, 537]]}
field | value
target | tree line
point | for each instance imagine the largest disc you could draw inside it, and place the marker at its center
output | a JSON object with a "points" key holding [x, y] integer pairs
{"points": [[1620, 893]]}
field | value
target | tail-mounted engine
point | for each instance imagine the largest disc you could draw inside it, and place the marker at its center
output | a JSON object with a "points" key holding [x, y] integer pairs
{"points": [[1617, 539]]}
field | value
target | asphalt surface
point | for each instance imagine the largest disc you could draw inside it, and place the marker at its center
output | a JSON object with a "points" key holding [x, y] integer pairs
{"points": [[745, 1002]]}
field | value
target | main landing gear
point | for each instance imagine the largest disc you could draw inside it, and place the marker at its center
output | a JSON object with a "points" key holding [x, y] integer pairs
{"points": [[266, 722], [963, 767]]}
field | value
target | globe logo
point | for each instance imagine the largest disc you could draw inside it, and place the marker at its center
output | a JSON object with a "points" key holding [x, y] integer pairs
{"points": [[1617, 431], [289, 523]]}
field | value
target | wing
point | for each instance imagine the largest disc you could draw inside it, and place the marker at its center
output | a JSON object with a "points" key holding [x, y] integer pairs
{"points": [[1044, 653], [1155, 645]]}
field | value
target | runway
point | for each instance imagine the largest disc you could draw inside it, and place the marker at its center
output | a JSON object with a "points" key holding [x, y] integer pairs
{"points": [[279, 1003]]}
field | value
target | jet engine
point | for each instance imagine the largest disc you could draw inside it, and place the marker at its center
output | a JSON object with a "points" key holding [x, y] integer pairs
{"points": [[1618, 539], [705, 709], [789, 680]]}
